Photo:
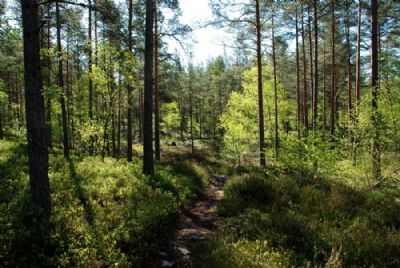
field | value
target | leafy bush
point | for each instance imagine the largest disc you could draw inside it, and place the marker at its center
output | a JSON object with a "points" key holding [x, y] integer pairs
{"points": [[104, 213]]}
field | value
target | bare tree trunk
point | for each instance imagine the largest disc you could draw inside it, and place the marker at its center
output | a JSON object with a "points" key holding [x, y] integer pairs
{"points": [[324, 95], [90, 82], [376, 157], [349, 76], [148, 162], [297, 78], [130, 97], [311, 65], [191, 109], [260, 87], [61, 83], [333, 89], [35, 110], [358, 82], [276, 143], [156, 89], [49, 135], [315, 95], [305, 93]]}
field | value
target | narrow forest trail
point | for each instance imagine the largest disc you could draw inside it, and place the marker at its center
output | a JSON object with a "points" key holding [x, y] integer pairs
{"points": [[197, 223]]}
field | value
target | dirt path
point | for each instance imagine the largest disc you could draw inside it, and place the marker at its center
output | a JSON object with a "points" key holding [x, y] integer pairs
{"points": [[196, 223]]}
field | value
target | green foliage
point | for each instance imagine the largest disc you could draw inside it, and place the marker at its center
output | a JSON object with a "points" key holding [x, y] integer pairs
{"points": [[104, 213], [312, 222], [170, 118], [240, 120]]}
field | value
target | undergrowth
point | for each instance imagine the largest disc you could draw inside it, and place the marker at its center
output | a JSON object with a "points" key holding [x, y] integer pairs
{"points": [[105, 213], [283, 219]]}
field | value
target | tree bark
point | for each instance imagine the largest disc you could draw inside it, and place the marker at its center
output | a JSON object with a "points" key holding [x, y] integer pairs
{"points": [[376, 158], [260, 87], [315, 95], [156, 89], [297, 78], [311, 66], [61, 83], [305, 93], [35, 110], [333, 89], [49, 135], [276, 143], [129, 89], [358, 82], [148, 162]]}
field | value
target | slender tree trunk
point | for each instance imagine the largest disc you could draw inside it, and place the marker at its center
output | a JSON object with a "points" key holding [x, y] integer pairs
{"points": [[349, 77], [333, 86], [156, 89], [260, 87], [191, 109], [140, 100], [376, 157], [358, 81], [90, 63], [324, 94], [129, 89], [148, 162], [61, 83], [315, 95], [49, 135], [90, 82], [297, 77], [311, 65], [275, 91], [305, 93], [119, 115], [35, 110]]}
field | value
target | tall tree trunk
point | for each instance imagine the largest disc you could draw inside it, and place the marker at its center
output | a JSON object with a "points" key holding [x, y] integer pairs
{"points": [[333, 86], [90, 62], [61, 83], [305, 93], [376, 157], [260, 87], [119, 114], [130, 97], [311, 65], [358, 81], [297, 77], [315, 95], [90, 82], [156, 89], [191, 109], [276, 143], [49, 135], [324, 94], [349, 76], [148, 161], [35, 110]]}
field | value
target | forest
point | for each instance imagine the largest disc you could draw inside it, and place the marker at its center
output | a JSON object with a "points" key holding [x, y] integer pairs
{"points": [[119, 148]]}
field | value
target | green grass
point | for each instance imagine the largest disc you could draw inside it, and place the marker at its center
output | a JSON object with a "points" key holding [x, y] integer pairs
{"points": [[104, 213], [282, 220]]}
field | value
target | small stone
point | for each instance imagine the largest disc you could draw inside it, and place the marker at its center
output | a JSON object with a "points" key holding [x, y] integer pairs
{"points": [[166, 264], [184, 251], [163, 254], [195, 238]]}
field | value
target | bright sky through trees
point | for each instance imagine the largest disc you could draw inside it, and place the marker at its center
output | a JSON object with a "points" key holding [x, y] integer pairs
{"points": [[208, 41]]}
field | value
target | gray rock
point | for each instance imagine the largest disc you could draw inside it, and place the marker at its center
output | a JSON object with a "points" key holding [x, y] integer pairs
{"points": [[166, 264], [184, 251], [163, 254], [195, 237]]}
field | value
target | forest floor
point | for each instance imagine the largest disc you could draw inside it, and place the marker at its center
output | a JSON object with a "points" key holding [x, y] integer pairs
{"points": [[197, 222]]}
